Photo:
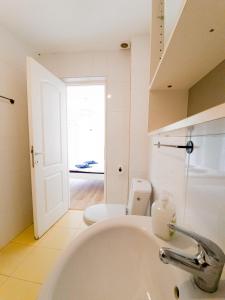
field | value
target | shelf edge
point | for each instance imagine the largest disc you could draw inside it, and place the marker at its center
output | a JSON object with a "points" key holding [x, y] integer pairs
{"points": [[214, 113]]}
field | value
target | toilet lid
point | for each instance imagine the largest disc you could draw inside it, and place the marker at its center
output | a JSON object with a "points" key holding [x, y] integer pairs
{"points": [[99, 212]]}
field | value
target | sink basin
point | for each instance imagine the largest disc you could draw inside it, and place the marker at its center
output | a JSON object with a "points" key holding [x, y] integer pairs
{"points": [[118, 259]]}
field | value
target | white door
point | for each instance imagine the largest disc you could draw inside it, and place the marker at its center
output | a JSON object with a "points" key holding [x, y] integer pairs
{"points": [[48, 145]]}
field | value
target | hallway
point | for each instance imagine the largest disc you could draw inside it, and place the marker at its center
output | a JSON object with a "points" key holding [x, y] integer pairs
{"points": [[86, 192]]}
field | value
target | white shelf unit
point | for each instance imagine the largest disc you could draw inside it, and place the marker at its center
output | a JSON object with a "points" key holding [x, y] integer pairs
{"points": [[212, 114], [196, 46]]}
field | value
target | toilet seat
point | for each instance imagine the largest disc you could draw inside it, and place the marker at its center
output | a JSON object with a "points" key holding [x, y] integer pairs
{"points": [[138, 201], [99, 212]]}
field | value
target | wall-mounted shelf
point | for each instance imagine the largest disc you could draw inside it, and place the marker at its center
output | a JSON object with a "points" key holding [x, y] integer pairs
{"points": [[195, 47], [214, 113]]}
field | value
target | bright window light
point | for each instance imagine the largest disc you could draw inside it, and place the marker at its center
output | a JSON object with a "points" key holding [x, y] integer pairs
{"points": [[86, 125]]}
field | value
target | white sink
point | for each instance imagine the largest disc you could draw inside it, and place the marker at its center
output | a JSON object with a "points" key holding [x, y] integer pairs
{"points": [[118, 259]]}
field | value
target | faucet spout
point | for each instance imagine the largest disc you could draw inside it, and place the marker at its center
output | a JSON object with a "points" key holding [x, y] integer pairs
{"points": [[179, 259], [206, 266]]}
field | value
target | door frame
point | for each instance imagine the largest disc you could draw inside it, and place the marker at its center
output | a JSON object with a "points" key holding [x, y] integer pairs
{"points": [[100, 80]]}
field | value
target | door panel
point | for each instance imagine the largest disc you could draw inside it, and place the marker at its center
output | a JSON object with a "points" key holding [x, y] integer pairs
{"points": [[48, 139], [53, 192], [51, 102]]}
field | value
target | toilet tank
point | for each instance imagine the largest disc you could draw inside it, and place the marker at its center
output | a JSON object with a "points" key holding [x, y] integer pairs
{"points": [[139, 196]]}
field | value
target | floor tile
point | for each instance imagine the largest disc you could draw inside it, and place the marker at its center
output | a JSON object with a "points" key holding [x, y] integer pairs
{"points": [[3, 279], [83, 225], [28, 261], [58, 237], [27, 237], [11, 256], [37, 265], [72, 219], [14, 289]]}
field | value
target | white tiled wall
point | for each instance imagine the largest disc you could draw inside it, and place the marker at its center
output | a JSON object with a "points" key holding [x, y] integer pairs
{"points": [[196, 181], [15, 187], [140, 65], [167, 171], [205, 209]]}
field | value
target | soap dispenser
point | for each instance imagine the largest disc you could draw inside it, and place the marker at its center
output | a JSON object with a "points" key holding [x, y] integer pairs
{"points": [[163, 213]]}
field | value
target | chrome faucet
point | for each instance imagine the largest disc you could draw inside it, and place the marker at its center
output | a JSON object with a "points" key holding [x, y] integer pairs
{"points": [[206, 266]]}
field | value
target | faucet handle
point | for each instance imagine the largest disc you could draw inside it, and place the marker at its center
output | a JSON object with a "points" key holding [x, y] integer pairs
{"points": [[209, 247]]}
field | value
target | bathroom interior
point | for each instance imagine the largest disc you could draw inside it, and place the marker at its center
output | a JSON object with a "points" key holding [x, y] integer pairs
{"points": [[157, 230]]}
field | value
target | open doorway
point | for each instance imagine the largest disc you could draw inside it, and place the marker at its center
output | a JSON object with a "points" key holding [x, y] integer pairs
{"points": [[86, 142]]}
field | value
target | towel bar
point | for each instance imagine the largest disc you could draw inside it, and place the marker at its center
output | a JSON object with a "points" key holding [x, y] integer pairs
{"points": [[189, 146], [12, 101]]}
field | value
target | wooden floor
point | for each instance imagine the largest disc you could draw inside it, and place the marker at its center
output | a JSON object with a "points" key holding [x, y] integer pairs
{"points": [[86, 192]]}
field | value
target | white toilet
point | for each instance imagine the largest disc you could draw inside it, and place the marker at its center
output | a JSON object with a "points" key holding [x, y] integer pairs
{"points": [[139, 197]]}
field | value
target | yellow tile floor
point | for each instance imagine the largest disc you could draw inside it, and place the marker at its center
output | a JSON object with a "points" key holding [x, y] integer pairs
{"points": [[25, 262]]}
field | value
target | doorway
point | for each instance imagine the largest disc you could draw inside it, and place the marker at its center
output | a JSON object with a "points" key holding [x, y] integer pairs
{"points": [[86, 142]]}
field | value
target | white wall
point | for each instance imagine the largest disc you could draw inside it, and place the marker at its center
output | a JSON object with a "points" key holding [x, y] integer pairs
{"points": [[167, 170], [15, 187], [196, 182], [140, 77], [115, 66]]}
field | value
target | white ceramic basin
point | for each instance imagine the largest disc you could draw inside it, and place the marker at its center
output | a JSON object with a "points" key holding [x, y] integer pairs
{"points": [[118, 259]]}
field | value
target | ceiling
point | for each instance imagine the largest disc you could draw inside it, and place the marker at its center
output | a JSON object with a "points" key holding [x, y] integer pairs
{"points": [[51, 26]]}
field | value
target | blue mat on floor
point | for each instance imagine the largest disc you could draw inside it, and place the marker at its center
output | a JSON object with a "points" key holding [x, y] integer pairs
{"points": [[91, 162], [83, 166]]}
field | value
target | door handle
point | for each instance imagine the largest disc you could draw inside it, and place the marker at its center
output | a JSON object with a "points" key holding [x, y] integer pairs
{"points": [[32, 156]]}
